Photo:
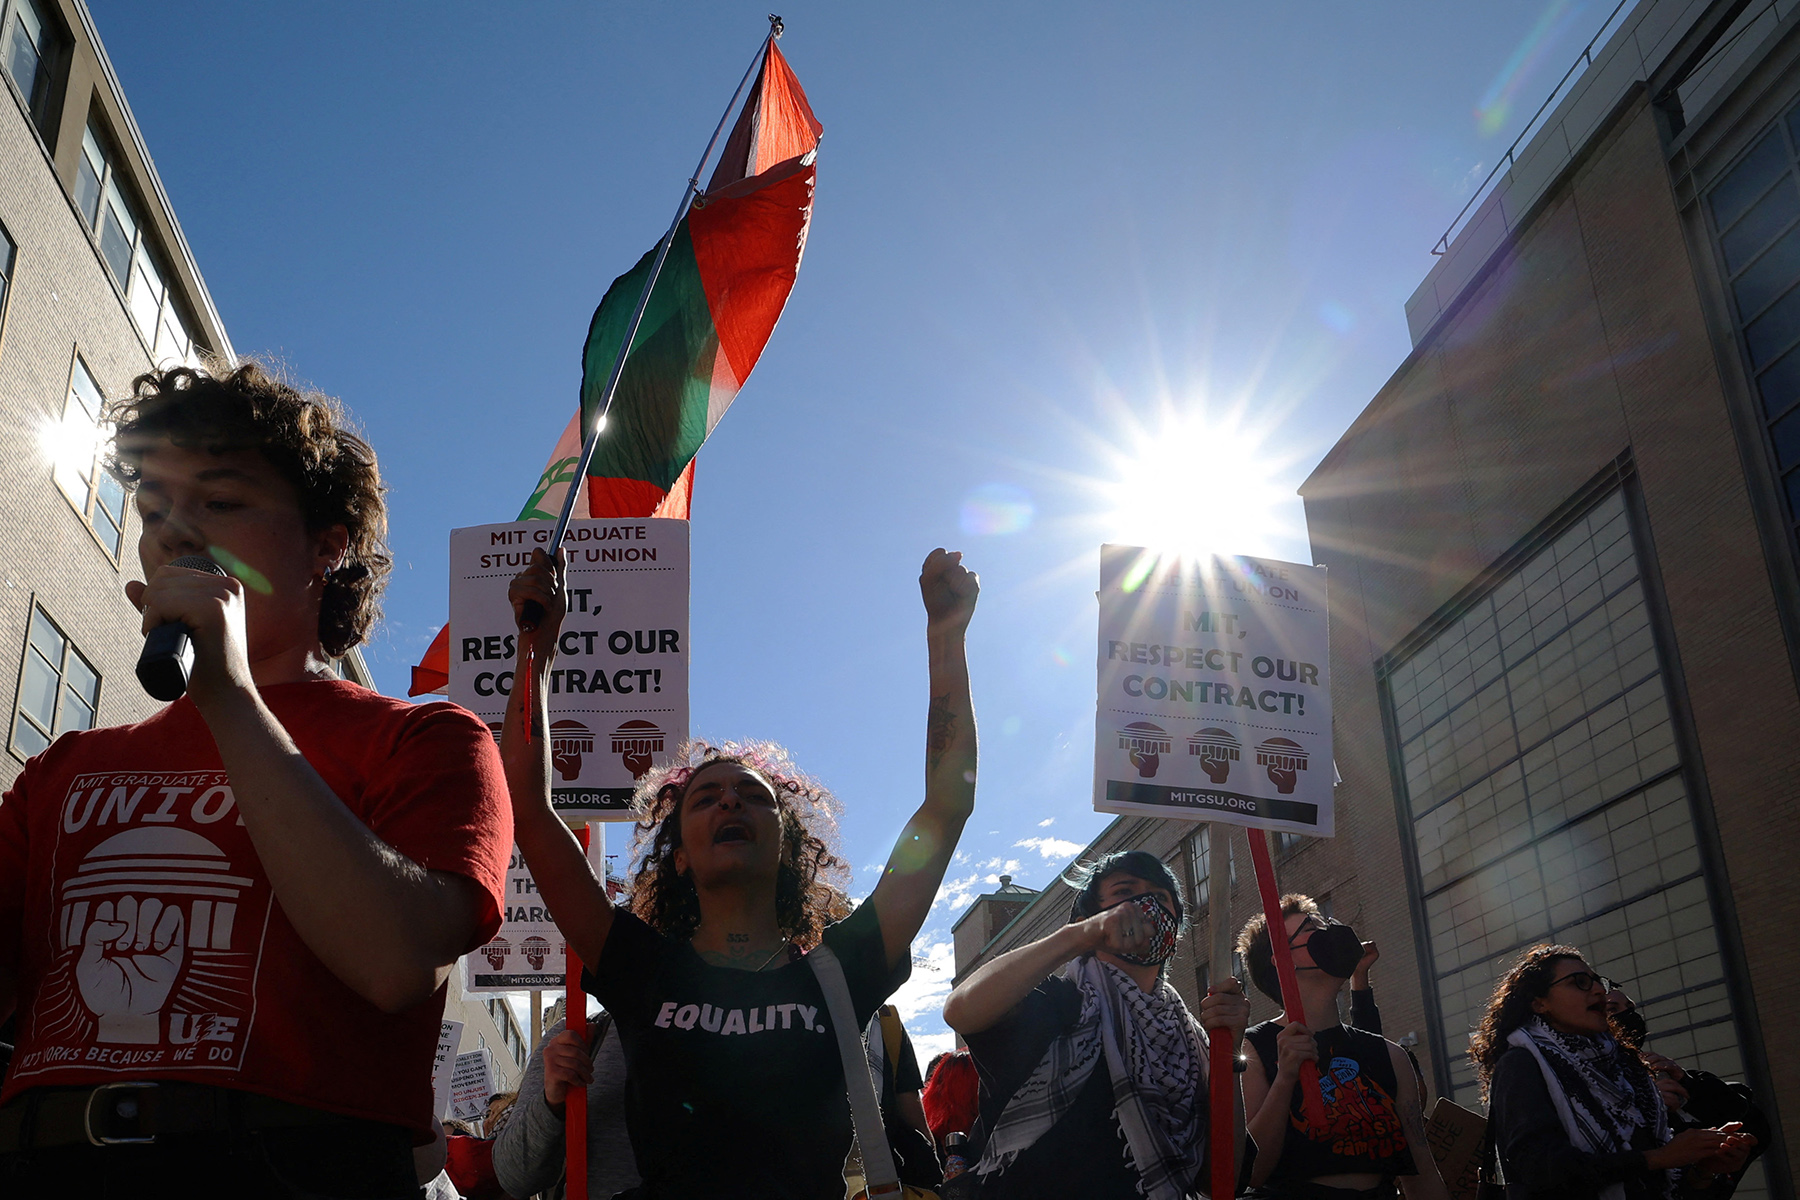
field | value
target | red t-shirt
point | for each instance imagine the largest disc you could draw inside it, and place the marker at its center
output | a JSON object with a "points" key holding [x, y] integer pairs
{"points": [[147, 941]]}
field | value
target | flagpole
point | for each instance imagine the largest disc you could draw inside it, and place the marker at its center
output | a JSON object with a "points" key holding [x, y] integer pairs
{"points": [[592, 436]]}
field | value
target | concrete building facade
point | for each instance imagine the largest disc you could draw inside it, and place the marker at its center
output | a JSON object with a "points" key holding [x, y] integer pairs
{"points": [[1565, 579]]}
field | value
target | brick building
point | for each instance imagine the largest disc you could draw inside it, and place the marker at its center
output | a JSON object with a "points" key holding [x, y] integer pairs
{"points": [[97, 285], [1565, 581]]}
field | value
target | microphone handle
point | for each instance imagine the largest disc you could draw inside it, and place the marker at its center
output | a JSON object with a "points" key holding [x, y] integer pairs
{"points": [[167, 660]]}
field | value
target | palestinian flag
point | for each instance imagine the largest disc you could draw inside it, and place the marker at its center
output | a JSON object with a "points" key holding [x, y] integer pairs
{"points": [[730, 267]]}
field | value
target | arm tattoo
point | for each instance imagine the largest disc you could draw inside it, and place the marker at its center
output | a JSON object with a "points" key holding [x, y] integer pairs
{"points": [[940, 726]]}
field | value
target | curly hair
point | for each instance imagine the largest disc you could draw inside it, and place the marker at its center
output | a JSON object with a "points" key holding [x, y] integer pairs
{"points": [[305, 436], [810, 882], [1528, 979], [1258, 953]]}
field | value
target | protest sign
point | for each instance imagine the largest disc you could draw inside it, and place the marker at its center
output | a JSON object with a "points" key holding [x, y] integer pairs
{"points": [[619, 683], [471, 1084], [527, 951], [1214, 691], [449, 1034], [1456, 1135]]}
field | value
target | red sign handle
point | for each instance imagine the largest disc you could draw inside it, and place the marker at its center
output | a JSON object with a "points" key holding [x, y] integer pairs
{"points": [[1222, 1079], [1312, 1100], [575, 1105]]}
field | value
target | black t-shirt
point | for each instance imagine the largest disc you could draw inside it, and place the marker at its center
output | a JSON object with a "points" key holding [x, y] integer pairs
{"points": [[1362, 1130], [1083, 1154], [735, 1086]]}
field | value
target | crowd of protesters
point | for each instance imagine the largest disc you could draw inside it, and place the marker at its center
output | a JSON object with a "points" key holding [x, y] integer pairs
{"points": [[275, 1037]]}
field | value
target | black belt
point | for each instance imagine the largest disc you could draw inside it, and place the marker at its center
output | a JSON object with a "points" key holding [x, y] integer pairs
{"points": [[139, 1111]]}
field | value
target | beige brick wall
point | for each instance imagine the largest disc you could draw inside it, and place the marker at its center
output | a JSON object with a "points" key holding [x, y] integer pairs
{"points": [[62, 299]]}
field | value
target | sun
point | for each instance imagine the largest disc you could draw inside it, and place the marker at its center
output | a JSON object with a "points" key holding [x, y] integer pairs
{"points": [[1199, 483]]}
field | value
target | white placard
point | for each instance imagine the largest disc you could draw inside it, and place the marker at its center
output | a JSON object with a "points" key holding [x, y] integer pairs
{"points": [[449, 1034], [1214, 691], [619, 685], [471, 1085], [527, 952]]}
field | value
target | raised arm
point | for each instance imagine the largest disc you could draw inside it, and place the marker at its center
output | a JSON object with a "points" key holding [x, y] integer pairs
{"points": [[916, 866], [564, 879], [993, 989]]}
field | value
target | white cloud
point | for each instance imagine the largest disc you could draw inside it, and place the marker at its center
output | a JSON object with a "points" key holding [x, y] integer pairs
{"points": [[927, 1046], [1052, 848], [959, 893], [921, 998], [1046, 823]]}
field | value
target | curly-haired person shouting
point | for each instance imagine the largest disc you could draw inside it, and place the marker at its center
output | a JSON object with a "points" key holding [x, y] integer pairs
{"points": [[735, 1085]]}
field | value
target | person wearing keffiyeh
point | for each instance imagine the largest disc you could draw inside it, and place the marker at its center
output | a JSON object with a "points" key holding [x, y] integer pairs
{"points": [[1574, 1114], [1093, 1080]]}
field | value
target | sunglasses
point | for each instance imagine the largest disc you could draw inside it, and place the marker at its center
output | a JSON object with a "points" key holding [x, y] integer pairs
{"points": [[1584, 981]]}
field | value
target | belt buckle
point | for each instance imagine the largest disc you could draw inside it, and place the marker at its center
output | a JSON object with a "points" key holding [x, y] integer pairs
{"points": [[87, 1115]]}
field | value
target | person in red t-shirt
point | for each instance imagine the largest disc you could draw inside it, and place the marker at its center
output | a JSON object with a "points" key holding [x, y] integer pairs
{"points": [[226, 929]]}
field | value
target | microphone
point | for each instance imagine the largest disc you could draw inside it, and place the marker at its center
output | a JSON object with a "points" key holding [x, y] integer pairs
{"points": [[168, 654]]}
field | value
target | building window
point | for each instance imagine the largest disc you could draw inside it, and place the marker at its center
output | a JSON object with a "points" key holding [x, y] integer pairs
{"points": [[103, 202], [1282, 844], [510, 1037], [59, 690], [1542, 786], [1200, 842], [28, 52], [1755, 212], [90, 487]]}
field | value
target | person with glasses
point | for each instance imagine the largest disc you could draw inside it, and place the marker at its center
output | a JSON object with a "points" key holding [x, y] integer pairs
{"points": [[1373, 1135], [1572, 1112]]}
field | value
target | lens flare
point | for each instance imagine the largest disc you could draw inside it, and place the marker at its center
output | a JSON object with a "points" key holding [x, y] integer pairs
{"points": [[240, 570], [1495, 105], [997, 508]]}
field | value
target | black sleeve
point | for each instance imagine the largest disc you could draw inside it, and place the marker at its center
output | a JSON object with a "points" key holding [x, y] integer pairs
{"points": [[1534, 1151], [906, 1070], [626, 968], [1006, 1052], [1363, 1013], [856, 941]]}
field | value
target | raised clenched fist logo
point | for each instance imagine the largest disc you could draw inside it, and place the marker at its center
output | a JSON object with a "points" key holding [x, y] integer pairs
{"points": [[1217, 750], [569, 740], [1145, 743], [536, 950], [495, 952], [131, 953], [634, 742], [1285, 760]]}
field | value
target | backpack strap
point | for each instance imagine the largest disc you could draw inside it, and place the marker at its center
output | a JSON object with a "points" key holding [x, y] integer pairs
{"points": [[865, 1109]]}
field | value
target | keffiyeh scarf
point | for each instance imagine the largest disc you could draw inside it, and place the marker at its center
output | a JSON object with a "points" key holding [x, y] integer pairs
{"points": [[1155, 1055], [1602, 1095]]}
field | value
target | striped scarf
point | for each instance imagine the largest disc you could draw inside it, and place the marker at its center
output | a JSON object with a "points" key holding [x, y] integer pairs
{"points": [[1155, 1054]]}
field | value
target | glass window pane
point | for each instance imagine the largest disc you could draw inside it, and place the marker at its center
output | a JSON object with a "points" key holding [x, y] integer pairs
{"points": [[1792, 486], [27, 738], [44, 637], [107, 530], [1775, 330], [1780, 385], [82, 679], [76, 713], [1748, 180], [37, 689], [22, 59], [111, 500], [87, 191], [1785, 433], [86, 391], [1768, 276], [115, 245], [145, 293], [7, 251], [1765, 218]]}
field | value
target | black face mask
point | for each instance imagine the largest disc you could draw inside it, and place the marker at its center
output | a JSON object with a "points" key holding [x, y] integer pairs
{"points": [[1335, 949]]}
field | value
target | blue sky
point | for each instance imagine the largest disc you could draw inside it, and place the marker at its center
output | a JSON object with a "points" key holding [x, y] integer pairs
{"points": [[1047, 237]]}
